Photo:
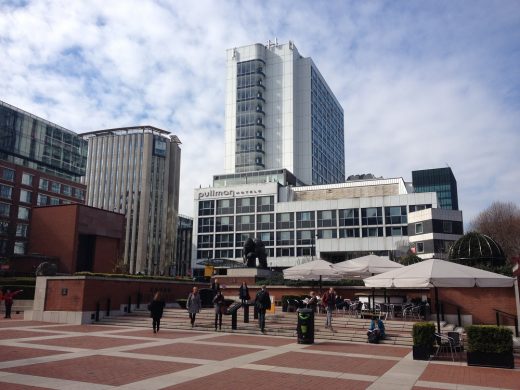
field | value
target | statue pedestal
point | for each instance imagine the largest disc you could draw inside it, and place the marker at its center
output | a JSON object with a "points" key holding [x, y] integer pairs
{"points": [[248, 275]]}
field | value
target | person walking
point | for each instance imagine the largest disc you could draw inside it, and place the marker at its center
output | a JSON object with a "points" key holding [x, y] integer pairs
{"points": [[156, 308], [262, 304], [193, 304], [243, 293], [218, 302], [329, 302], [9, 299]]}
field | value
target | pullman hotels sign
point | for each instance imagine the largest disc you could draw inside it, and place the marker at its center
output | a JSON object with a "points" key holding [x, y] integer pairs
{"points": [[227, 193]]}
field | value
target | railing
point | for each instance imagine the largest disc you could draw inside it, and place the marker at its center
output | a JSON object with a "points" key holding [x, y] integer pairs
{"points": [[458, 309], [498, 313]]}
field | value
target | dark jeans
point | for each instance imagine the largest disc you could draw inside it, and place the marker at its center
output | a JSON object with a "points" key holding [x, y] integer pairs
{"points": [[8, 307], [156, 323], [218, 318], [261, 318], [192, 318]]}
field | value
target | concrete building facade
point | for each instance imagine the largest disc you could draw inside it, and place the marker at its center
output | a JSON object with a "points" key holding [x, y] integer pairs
{"points": [[136, 171]]}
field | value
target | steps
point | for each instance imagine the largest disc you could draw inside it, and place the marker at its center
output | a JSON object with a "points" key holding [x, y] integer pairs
{"points": [[346, 328]]}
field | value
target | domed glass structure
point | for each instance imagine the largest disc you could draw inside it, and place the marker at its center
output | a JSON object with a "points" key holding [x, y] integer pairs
{"points": [[475, 248]]}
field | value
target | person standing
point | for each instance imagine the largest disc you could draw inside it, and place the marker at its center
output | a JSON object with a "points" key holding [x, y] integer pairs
{"points": [[329, 302], [243, 293], [193, 304], [262, 304], [215, 285], [218, 302], [9, 299], [156, 308]]}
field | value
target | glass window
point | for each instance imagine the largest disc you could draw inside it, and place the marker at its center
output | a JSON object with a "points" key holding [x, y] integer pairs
{"points": [[27, 179], [419, 228], [19, 247], [305, 251], [327, 218], [267, 238], [372, 232], [225, 206], [4, 226], [8, 174], [285, 238], [420, 247], [54, 201], [42, 200], [349, 217], [349, 233], [392, 231], [6, 192], [245, 222], [79, 193], [305, 219], [67, 190], [265, 203], [447, 227], [305, 237], [205, 225], [205, 241], [224, 224], [281, 252], [4, 209], [285, 220], [245, 205], [395, 215], [372, 216], [265, 222], [55, 187], [327, 233], [25, 196], [23, 213], [224, 253], [44, 185], [224, 241], [205, 254], [206, 207], [21, 230], [241, 238]]}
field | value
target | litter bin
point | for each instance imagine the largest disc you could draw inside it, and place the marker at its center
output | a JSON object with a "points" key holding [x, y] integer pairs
{"points": [[305, 326]]}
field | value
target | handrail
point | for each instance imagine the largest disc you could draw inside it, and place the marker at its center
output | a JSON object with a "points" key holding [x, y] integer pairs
{"points": [[515, 318], [459, 318]]}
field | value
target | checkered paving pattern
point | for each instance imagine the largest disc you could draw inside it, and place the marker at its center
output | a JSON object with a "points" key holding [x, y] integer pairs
{"points": [[36, 355]]}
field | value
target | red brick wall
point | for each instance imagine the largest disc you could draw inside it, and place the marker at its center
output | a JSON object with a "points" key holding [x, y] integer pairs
{"points": [[106, 254]]}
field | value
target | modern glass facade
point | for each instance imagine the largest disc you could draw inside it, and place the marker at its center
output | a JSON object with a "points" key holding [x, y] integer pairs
{"points": [[439, 180]]}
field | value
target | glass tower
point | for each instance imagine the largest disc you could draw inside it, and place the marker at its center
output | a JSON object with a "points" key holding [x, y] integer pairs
{"points": [[439, 180]]}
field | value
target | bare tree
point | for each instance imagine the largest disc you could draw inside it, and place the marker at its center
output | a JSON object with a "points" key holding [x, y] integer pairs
{"points": [[501, 221]]}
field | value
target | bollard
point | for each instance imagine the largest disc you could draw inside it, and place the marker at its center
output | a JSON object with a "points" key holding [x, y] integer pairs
{"points": [[246, 313], [234, 320], [108, 307], [138, 299]]}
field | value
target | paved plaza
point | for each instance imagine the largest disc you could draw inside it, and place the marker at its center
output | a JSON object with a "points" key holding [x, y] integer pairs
{"points": [[37, 355]]}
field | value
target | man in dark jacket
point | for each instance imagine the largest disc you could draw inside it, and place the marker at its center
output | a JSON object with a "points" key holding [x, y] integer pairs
{"points": [[156, 308], [262, 303]]}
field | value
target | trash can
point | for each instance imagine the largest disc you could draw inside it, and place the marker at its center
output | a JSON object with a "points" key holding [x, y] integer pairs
{"points": [[305, 326]]}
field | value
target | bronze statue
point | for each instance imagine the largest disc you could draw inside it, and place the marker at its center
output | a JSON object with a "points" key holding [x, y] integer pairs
{"points": [[254, 249]]}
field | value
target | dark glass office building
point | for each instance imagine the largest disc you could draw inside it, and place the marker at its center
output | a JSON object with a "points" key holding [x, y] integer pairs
{"points": [[439, 180]]}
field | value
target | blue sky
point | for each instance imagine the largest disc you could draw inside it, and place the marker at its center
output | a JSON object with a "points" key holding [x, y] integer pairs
{"points": [[423, 83]]}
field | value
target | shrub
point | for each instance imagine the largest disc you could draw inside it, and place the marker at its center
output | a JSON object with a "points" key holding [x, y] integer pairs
{"points": [[489, 338], [423, 334]]}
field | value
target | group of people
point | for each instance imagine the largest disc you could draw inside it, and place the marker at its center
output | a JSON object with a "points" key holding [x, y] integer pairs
{"points": [[8, 298]]}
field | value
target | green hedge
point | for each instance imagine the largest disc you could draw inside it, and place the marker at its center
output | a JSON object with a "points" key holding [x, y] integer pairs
{"points": [[423, 334], [489, 338], [142, 277]]}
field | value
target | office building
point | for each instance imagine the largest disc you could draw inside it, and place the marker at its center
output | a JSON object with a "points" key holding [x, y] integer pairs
{"points": [[439, 180], [41, 164], [135, 171], [182, 261], [281, 114]]}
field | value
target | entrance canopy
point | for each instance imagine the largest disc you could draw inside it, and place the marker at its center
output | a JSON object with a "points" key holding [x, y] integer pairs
{"points": [[438, 273]]}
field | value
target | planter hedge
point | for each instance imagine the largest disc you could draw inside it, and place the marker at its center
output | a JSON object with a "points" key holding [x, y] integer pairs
{"points": [[423, 339], [490, 346]]}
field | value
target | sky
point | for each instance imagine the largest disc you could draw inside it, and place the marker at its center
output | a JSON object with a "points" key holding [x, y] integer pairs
{"points": [[423, 84]]}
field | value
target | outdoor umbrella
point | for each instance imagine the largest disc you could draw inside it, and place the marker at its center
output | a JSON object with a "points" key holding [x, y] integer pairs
{"points": [[438, 273], [362, 267], [312, 270]]}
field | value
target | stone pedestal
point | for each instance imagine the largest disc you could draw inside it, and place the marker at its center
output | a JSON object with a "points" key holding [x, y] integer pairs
{"points": [[248, 275]]}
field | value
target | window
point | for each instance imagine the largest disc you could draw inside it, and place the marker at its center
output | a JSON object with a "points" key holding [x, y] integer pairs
{"points": [[265, 222], [79, 193], [348, 233], [419, 228], [328, 233], [327, 218], [245, 205], [349, 217], [225, 206], [44, 185], [54, 201], [21, 230], [305, 237], [284, 252], [207, 207], [8, 174], [241, 238], [6, 192], [420, 247], [25, 196], [42, 200], [19, 247], [305, 251], [205, 241], [4, 226], [393, 231], [265, 204], [5, 210], [205, 225], [372, 232], [285, 238], [372, 216], [395, 215], [245, 222], [447, 227], [205, 254], [224, 241], [267, 238], [305, 219], [67, 190], [224, 224], [55, 187], [23, 213], [3, 246], [224, 253], [27, 179], [285, 221]]}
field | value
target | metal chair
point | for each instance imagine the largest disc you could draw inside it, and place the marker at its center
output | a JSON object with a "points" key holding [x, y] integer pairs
{"points": [[444, 343]]}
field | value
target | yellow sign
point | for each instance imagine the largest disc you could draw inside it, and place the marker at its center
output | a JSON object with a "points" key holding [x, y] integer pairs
{"points": [[272, 309], [208, 270]]}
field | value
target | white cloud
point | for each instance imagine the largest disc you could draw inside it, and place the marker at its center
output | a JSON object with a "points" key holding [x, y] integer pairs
{"points": [[421, 85]]}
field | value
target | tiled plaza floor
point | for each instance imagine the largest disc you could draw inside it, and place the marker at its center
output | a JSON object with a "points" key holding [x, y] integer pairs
{"points": [[36, 355]]}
